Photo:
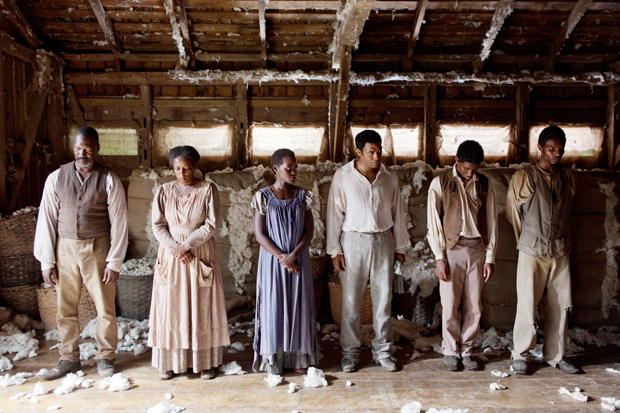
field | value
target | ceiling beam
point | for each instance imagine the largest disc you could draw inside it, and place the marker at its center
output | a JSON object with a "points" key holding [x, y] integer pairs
{"points": [[420, 11], [340, 105], [565, 31], [177, 37], [106, 26], [501, 13], [351, 20], [181, 15], [201, 56], [12, 11], [262, 28], [16, 49]]}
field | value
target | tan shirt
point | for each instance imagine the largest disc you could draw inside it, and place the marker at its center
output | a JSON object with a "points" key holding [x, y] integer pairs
{"points": [[355, 204], [519, 192], [469, 213], [47, 223]]}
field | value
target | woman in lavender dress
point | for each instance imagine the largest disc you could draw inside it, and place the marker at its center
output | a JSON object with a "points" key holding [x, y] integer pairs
{"points": [[285, 334]]}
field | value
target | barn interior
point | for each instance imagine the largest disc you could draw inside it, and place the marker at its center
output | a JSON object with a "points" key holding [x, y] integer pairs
{"points": [[238, 79]]}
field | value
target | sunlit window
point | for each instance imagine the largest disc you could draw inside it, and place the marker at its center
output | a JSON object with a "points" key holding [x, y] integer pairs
{"points": [[209, 140], [114, 141], [305, 141], [406, 141], [583, 144], [494, 139]]}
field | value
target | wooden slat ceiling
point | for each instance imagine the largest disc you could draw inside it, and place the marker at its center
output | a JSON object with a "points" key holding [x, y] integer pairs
{"points": [[302, 31]]}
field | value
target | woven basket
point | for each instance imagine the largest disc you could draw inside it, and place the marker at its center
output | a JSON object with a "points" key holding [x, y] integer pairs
{"points": [[17, 234], [424, 307], [133, 296], [319, 267], [48, 307], [22, 299], [19, 270], [335, 301]]}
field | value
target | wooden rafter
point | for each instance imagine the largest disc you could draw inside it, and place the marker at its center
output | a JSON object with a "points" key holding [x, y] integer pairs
{"points": [[146, 129], [16, 49], [242, 147], [569, 25], [12, 10], [341, 101], [106, 26], [420, 11], [179, 9], [4, 202], [615, 67], [351, 21], [76, 107], [262, 23], [502, 11]]}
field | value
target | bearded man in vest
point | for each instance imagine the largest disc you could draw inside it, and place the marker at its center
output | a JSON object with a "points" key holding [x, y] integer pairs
{"points": [[82, 226], [538, 207], [462, 233]]}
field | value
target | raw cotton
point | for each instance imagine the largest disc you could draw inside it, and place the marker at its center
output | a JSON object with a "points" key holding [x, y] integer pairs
{"points": [[413, 407], [577, 395], [349, 384], [87, 383], [240, 327], [34, 400], [18, 395], [117, 382], [69, 383], [610, 403], [293, 387], [16, 380], [329, 328], [165, 408], [52, 335], [497, 386], [5, 364], [231, 368], [500, 374], [494, 339], [612, 370], [54, 407], [168, 396], [315, 378], [433, 410], [87, 350], [239, 346], [273, 379], [141, 266], [419, 270], [13, 340], [39, 389]]}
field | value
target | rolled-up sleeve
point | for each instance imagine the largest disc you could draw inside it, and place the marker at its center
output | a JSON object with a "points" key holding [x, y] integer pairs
{"points": [[335, 215], [212, 219], [47, 224], [119, 231], [519, 192], [436, 239]]}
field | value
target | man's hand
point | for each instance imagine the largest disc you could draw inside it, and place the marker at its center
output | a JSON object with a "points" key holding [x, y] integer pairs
{"points": [[443, 271], [338, 262], [399, 256], [178, 250], [109, 276], [50, 276], [489, 271]]}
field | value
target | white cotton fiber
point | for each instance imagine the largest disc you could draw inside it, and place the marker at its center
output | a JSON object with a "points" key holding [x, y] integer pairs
{"points": [[87, 383], [413, 407], [168, 396], [117, 382], [329, 328], [34, 400], [575, 395], [87, 350], [273, 379], [238, 346], [500, 374], [349, 384], [5, 364], [54, 407], [16, 380], [41, 372], [18, 395], [497, 386], [52, 335], [39, 389], [315, 378], [231, 368], [69, 383], [612, 370], [433, 410], [293, 387], [165, 408]]}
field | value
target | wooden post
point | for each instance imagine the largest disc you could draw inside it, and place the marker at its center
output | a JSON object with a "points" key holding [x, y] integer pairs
{"points": [[522, 125], [342, 105], [56, 126], [430, 125], [146, 132], [610, 141], [3, 195], [76, 107], [331, 119], [242, 148]]}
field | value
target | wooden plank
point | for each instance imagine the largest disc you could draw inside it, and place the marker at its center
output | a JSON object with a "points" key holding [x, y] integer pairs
{"points": [[288, 103], [30, 132], [242, 148], [476, 103], [351, 21], [16, 49], [106, 26], [502, 11], [610, 138], [568, 103], [342, 104], [76, 107], [13, 12], [429, 147], [522, 127], [4, 202], [420, 11], [615, 67], [183, 22], [262, 28], [567, 28], [56, 126], [615, 119], [146, 128], [392, 103]]}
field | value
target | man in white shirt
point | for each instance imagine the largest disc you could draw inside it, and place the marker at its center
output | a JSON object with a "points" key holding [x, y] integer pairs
{"points": [[366, 232], [82, 226]]}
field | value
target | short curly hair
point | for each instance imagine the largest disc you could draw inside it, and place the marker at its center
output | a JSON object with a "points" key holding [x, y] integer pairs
{"points": [[188, 152], [278, 156], [470, 152], [551, 132], [366, 136]]}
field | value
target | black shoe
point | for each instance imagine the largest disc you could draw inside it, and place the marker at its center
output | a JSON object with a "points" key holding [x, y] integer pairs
{"points": [[469, 363], [63, 368], [451, 363], [567, 367], [519, 367]]}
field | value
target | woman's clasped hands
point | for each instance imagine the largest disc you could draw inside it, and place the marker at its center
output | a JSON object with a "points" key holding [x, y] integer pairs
{"points": [[179, 252]]}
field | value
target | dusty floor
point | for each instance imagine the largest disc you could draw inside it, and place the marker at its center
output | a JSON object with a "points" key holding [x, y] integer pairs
{"points": [[373, 390]]}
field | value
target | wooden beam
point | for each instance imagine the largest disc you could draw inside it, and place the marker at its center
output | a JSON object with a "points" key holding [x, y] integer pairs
{"points": [[420, 11], [56, 130], [567, 28], [262, 28], [146, 128], [429, 147], [30, 132], [177, 38], [342, 96], [76, 107], [106, 26], [331, 118], [615, 67], [242, 147], [502, 11], [519, 152], [351, 21], [184, 25], [4, 202], [610, 138], [13, 12], [12, 48]]}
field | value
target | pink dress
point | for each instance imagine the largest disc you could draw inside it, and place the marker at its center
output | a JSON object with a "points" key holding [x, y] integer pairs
{"points": [[188, 324]]}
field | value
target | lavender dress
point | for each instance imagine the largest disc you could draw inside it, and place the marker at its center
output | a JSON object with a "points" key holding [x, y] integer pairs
{"points": [[285, 334]]}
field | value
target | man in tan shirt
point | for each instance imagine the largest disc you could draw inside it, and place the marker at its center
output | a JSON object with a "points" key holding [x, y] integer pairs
{"points": [[81, 238], [462, 233], [366, 232], [538, 207]]}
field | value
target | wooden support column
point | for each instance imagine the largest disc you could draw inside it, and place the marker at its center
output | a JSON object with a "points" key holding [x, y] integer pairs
{"points": [[242, 146], [16, 49], [420, 11], [262, 21], [106, 26], [331, 119], [76, 107], [4, 202], [342, 96], [30, 132], [146, 132], [430, 126], [565, 31], [522, 126], [610, 138], [56, 127]]}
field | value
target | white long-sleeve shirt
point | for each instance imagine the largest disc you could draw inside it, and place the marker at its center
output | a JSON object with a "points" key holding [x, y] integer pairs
{"points": [[355, 204], [47, 223]]}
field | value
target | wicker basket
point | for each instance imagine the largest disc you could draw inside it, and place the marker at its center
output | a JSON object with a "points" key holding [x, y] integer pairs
{"points": [[19, 270], [133, 296], [48, 307], [335, 301], [17, 234], [22, 299], [319, 267]]}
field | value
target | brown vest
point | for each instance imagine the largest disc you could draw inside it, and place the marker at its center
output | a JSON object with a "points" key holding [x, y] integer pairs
{"points": [[450, 214], [83, 211], [545, 223]]}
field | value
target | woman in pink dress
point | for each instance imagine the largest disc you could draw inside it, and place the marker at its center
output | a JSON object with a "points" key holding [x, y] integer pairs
{"points": [[188, 324]]}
